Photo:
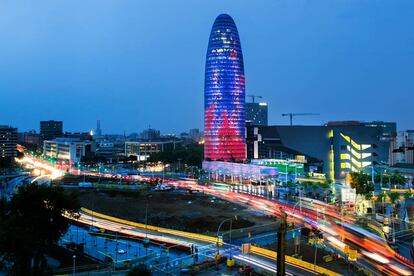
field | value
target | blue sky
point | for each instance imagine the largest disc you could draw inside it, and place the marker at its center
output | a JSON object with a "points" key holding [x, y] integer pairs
{"points": [[136, 63]]}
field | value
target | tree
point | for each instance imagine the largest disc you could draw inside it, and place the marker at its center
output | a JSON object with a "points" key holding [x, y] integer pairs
{"points": [[394, 196], [361, 183], [381, 197], [191, 155], [397, 178], [326, 184], [32, 222]]}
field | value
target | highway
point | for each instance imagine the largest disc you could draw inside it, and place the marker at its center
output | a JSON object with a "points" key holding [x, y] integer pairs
{"points": [[141, 233], [11, 186], [339, 232]]}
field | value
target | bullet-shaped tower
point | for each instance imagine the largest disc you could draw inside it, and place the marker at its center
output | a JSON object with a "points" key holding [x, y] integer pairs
{"points": [[224, 94]]}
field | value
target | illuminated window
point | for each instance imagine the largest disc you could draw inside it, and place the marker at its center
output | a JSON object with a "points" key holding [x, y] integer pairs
{"points": [[345, 156]]}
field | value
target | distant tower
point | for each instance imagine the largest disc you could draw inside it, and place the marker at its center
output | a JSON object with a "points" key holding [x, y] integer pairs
{"points": [[98, 131], [224, 94]]}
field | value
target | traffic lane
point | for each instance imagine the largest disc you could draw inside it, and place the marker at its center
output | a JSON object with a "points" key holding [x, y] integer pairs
{"points": [[269, 266], [134, 232], [263, 205]]}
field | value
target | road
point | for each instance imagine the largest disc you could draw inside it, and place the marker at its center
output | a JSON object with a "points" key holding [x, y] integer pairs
{"points": [[339, 232], [123, 229], [11, 186]]}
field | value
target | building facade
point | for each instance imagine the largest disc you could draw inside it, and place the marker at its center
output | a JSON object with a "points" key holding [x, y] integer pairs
{"points": [[150, 134], [143, 149], [256, 113], [50, 130], [404, 152], [29, 137], [334, 149], [8, 144], [224, 94], [66, 149], [195, 135]]}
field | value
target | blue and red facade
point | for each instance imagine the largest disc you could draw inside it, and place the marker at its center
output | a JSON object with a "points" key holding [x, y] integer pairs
{"points": [[224, 94]]}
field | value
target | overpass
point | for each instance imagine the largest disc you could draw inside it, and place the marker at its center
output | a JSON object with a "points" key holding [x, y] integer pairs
{"points": [[207, 245]]}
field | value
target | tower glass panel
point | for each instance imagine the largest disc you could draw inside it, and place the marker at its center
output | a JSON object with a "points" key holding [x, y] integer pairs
{"points": [[224, 94]]}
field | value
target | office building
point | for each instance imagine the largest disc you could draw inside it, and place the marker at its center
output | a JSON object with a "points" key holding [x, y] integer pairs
{"points": [[110, 151], [389, 133], [195, 135], [224, 94], [29, 138], [334, 149], [150, 134], [66, 149], [143, 149], [50, 130], [8, 144], [404, 147], [256, 113], [84, 136]]}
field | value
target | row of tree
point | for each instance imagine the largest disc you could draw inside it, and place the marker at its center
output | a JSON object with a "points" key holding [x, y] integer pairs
{"points": [[362, 182], [191, 155]]}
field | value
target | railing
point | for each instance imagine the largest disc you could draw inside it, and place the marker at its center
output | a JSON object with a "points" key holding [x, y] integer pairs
{"points": [[290, 260]]}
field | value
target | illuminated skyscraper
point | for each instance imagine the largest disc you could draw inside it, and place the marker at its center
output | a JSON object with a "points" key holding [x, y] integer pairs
{"points": [[224, 94]]}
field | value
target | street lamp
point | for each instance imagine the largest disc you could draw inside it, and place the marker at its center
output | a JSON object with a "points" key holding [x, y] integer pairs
{"points": [[218, 230], [74, 265]]}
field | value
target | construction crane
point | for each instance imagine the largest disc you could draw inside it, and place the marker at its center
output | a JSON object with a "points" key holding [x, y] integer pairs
{"points": [[291, 115], [254, 97]]}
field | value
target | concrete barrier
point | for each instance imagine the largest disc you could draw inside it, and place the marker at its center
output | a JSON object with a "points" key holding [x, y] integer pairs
{"points": [[290, 260], [178, 233]]}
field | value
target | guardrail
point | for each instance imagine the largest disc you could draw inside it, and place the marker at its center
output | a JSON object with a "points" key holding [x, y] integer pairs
{"points": [[401, 191], [399, 256], [189, 235], [273, 255]]}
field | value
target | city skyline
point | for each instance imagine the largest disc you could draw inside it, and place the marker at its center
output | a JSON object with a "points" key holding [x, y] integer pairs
{"points": [[116, 57]]}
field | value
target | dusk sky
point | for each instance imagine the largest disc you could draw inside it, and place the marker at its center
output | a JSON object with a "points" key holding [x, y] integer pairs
{"points": [[137, 63]]}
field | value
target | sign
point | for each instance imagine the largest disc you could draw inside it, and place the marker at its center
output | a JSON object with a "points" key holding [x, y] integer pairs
{"points": [[246, 248], [353, 255]]}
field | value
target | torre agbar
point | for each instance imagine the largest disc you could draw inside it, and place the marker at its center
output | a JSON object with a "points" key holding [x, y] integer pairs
{"points": [[224, 94]]}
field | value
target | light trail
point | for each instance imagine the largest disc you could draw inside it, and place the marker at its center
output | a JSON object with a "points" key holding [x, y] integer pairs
{"points": [[358, 237]]}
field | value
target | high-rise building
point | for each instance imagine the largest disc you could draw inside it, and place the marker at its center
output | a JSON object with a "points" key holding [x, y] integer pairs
{"points": [[50, 130], [8, 144], [256, 113], [224, 94]]}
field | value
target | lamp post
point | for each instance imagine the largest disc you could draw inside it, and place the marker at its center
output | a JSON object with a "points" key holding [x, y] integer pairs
{"points": [[218, 230], [74, 265]]}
